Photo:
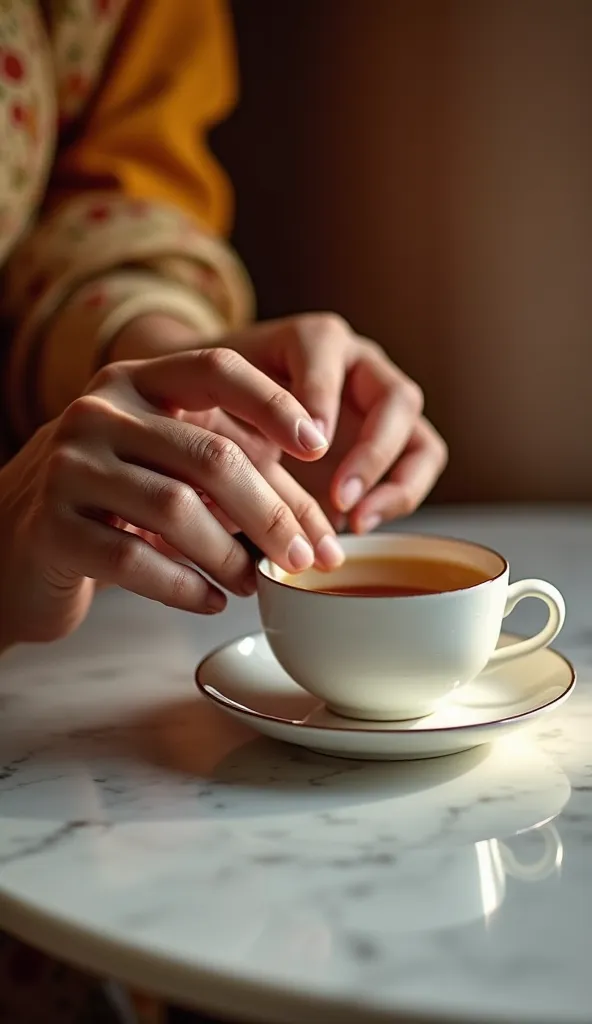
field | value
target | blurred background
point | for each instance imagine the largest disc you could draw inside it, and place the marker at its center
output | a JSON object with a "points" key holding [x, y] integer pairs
{"points": [[424, 167]]}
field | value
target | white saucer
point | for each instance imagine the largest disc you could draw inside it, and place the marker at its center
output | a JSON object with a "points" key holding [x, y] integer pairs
{"points": [[245, 680]]}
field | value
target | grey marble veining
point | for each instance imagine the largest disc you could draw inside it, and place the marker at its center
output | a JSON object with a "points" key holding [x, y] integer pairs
{"points": [[145, 835]]}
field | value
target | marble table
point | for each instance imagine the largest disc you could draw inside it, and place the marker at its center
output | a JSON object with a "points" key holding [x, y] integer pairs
{"points": [[146, 837]]}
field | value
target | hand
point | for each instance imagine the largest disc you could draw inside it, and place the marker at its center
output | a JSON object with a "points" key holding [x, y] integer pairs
{"points": [[392, 455], [111, 490], [385, 456]]}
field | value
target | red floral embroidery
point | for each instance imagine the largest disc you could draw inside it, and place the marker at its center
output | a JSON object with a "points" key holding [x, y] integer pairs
{"points": [[207, 274], [138, 207], [18, 114], [189, 230], [75, 84], [95, 300], [98, 214], [12, 66], [25, 117]]}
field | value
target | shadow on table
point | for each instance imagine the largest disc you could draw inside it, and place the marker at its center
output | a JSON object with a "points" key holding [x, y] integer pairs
{"points": [[186, 761], [183, 762], [195, 739]]}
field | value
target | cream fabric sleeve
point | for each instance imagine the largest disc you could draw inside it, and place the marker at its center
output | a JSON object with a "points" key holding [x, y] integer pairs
{"points": [[135, 213]]}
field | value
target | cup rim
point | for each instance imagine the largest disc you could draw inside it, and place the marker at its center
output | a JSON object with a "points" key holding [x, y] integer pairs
{"points": [[261, 572]]}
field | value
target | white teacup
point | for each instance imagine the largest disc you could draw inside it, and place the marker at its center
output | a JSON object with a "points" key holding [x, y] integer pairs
{"points": [[395, 658]]}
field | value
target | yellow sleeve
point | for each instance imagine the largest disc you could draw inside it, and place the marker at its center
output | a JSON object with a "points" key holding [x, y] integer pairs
{"points": [[135, 210], [172, 76]]}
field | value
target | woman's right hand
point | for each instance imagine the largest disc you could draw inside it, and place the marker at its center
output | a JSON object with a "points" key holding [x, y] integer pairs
{"points": [[119, 484]]}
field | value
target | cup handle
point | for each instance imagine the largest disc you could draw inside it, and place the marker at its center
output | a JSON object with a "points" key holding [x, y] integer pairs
{"points": [[550, 860], [556, 605]]}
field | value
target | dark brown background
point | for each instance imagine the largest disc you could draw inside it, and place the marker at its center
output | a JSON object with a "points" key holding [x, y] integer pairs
{"points": [[425, 168]]}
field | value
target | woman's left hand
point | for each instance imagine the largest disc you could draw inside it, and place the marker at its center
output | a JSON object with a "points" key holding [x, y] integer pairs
{"points": [[381, 470]]}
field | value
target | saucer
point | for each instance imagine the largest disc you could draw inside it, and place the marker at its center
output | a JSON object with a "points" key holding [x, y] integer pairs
{"points": [[245, 680]]}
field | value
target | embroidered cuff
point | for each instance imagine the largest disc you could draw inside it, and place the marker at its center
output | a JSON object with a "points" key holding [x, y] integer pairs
{"points": [[84, 327], [106, 237]]}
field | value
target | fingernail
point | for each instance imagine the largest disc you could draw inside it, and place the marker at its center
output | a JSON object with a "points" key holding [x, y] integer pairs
{"points": [[310, 436], [351, 492], [216, 602], [300, 554], [329, 552], [370, 523]]}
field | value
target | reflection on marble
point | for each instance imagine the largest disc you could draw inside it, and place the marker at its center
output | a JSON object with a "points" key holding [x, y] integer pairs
{"points": [[134, 811]]}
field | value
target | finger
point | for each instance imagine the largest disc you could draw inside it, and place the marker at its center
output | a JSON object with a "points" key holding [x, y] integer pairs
{"points": [[161, 545], [221, 469], [392, 405], [328, 552], [409, 483], [172, 510], [383, 436], [221, 516], [213, 378], [114, 556], [317, 353], [259, 449], [221, 423]]}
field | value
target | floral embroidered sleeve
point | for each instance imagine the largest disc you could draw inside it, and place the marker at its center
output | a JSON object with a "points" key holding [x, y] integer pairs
{"points": [[136, 206]]}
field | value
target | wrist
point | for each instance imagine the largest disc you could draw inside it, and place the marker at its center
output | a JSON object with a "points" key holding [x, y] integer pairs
{"points": [[150, 335]]}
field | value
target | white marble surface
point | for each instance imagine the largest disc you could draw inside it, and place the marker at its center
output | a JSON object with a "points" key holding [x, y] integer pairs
{"points": [[145, 836]]}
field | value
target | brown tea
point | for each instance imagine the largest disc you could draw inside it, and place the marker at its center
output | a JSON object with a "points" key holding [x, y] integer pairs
{"points": [[390, 577], [376, 590]]}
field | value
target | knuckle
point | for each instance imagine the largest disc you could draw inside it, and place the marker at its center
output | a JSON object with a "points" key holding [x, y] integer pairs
{"points": [[221, 456], [372, 349], [108, 375], [232, 563], [182, 588], [307, 510], [330, 323], [434, 444], [335, 324], [85, 414], [322, 326], [441, 450], [220, 360], [175, 502], [413, 396], [279, 519], [126, 555], [408, 501]]}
